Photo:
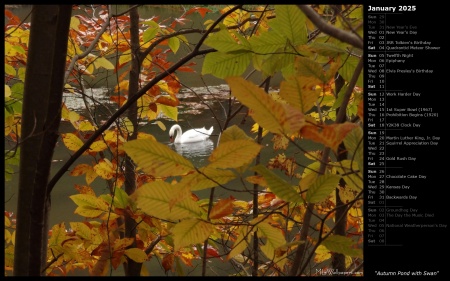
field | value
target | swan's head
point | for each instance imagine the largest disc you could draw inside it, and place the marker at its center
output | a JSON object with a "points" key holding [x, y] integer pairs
{"points": [[172, 133]]}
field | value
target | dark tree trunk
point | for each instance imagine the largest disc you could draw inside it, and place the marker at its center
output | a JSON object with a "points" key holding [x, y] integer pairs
{"points": [[40, 121], [132, 268]]}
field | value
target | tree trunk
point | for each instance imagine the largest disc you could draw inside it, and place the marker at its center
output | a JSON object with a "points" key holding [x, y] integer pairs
{"points": [[40, 121], [132, 268]]}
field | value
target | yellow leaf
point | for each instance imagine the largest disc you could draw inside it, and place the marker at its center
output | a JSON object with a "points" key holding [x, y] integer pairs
{"points": [[190, 231], [136, 254], [105, 169], [322, 254], [71, 141], [103, 62], [300, 92], [233, 133], [74, 23], [85, 126], [157, 159], [207, 178], [125, 57], [276, 117], [7, 91], [58, 235], [81, 230], [142, 135], [234, 154], [99, 145], [154, 199], [161, 124]]}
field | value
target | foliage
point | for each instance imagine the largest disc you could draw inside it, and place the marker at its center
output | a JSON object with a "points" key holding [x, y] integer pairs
{"points": [[172, 222]]}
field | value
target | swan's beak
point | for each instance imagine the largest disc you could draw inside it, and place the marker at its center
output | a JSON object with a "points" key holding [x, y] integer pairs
{"points": [[171, 138]]}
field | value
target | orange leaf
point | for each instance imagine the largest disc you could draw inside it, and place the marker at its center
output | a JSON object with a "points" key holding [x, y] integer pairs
{"points": [[80, 169], [202, 11], [83, 189], [361, 109], [167, 262], [222, 208], [329, 135], [168, 101]]}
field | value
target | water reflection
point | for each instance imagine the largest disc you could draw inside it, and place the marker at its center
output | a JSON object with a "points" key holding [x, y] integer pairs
{"points": [[197, 152]]}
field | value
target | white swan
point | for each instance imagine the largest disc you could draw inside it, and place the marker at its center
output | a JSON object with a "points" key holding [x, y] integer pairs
{"points": [[192, 135]]}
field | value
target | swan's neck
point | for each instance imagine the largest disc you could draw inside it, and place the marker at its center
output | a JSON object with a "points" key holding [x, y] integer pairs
{"points": [[178, 134]]}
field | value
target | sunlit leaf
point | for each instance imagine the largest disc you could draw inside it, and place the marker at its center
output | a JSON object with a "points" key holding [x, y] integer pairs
{"points": [[157, 159], [154, 198], [190, 231], [58, 235], [271, 115], [74, 23], [85, 126], [99, 145], [223, 42], [234, 154], [278, 186], [322, 187]]}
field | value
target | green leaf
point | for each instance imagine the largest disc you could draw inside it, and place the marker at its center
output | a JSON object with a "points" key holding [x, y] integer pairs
{"points": [[170, 111], [151, 31], [307, 67], [274, 236], [223, 65], [267, 43], [354, 144], [322, 187], [174, 44], [10, 70], [327, 49], [154, 199], [190, 231], [223, 42], [348, 69], [234, 154], [157, 159], [278, 186], [343, 245], [290, 22]]}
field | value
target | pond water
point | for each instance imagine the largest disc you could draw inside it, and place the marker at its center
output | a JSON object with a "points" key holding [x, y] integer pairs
{"points": [[192, 114]]}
